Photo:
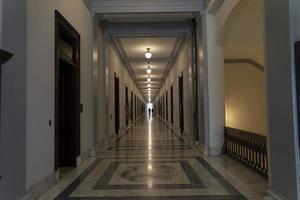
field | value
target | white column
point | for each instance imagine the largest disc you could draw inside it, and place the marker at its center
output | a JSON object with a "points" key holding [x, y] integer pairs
{"points": [[282, 105], [92, 90], [215, 67]]}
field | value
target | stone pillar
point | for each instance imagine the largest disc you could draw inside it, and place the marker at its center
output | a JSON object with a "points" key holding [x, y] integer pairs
{"points": [[282, 106], [215, 73], [93, 80]]}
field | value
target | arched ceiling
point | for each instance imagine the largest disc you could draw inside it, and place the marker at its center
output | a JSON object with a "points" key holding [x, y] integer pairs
{"points": [[131, 39]]}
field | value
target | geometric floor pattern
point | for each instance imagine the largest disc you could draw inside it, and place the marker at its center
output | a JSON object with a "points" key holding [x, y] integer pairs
{"points": [[152, 163]]}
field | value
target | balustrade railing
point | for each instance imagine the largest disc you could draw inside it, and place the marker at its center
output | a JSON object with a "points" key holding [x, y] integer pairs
{"points": [[247, 148]]}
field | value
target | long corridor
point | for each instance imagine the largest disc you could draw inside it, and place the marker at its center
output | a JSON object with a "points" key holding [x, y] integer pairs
{"points": [[150, 162]]}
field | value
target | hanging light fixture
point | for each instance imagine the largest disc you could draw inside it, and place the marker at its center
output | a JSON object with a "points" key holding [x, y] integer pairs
{"points": [[149, 69], [149, 79], [148, 54]]}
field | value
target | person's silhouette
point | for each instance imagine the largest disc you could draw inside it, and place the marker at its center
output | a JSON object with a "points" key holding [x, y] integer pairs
{"points": [[149, 111]]}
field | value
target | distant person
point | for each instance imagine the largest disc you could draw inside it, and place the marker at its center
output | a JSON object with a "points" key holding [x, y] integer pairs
{"points": [[152, 112], [149, 111]]}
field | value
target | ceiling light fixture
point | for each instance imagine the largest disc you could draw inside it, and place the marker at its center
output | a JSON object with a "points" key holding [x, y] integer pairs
{"points": [[149, 70], [149, 79], [148, 54]]}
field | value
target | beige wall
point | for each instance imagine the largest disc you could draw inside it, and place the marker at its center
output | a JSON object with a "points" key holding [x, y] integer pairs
{"points": [[245, 97], [245, 102], [243, 37], [40, 80], [115, 65], [182, 64]]}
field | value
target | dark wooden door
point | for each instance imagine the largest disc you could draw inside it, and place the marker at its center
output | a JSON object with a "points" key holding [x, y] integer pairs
{"points": [[67, 93], [167, 106], [117, 104], [163, 106], [126, 105], [181, 103], [67, 144], [172, 105], [131, 106]]}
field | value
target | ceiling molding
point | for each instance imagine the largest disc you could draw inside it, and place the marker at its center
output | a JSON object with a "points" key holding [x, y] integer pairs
{"points": [[87, 4], [162, 59], [176, 52], [144, 6], [144, 29], [128, 68], [212, 6]]}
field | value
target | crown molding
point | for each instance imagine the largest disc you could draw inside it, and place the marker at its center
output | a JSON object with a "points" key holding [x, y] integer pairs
{"points": [[143, 6]]}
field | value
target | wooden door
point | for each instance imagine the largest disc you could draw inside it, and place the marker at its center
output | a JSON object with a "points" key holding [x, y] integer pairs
{"points": [[67, 93], [117, 104], [181, 103]]}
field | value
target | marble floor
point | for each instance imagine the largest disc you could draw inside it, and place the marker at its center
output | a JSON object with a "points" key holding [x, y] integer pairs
{"points": [[152, 163]]}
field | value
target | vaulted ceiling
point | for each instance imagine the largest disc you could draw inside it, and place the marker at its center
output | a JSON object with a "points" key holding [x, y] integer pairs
{"points": [[164, 50], [131, 34]]}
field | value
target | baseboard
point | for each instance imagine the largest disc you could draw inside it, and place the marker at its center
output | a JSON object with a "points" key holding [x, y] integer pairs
{"points": [[203, 149], [214, 151], [83, 157], [271, 195], [40, 187]]}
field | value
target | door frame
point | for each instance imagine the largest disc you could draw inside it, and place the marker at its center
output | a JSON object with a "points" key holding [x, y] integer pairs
{"points": [[62, 23], [172, 104], [117, 103], [126, 106], [167, 106], [181, 101]]}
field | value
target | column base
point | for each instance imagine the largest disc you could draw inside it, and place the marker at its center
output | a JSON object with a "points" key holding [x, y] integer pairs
{"points": [[272, 196]]}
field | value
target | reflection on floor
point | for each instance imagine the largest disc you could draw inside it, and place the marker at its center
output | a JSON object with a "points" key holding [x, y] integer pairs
{"points": [[151, 163]]}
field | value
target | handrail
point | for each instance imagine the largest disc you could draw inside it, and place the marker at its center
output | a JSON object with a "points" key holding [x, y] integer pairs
{"points": [[245, 61], [247, 148]]}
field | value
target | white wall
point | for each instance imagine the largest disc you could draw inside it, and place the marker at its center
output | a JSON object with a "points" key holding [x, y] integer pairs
{"points": [[13, 101], [40, 82], [115, 65], [182, 64], [101, 118]]}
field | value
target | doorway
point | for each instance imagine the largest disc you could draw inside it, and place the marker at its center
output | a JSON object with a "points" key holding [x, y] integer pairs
{"points": [[181, 108], [167, 107], [172, 106], [67, 93], [126, 106], [131, 106], [117, 103]]}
